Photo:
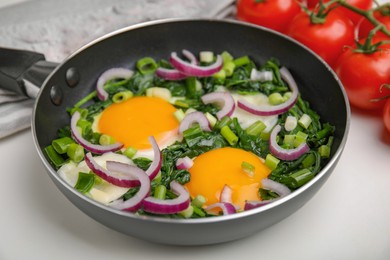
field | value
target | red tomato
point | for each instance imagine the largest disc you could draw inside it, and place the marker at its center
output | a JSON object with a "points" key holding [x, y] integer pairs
{"points": [[366, 26], [355, 18], [273, 14], [386, 115], [327, 39], [363, 75]]}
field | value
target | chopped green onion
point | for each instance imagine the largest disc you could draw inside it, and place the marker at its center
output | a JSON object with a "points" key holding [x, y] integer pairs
{"points": [[287, 95], [54, 157], [223, 122], [163, 93], [181, 103], [206, 56], [228, 67], [198, 211], [309, 160], [271, 161], [160, 192], [256, 128], [85, 182], [226, 56], [146, 65], [187, 213], [106, 139], [85, 125], [248, 168], [289, 139], [275, 99], [300, 177], [190, 110], [220, 75], [198, 201], [244, 60], [61, 144], [228, 134], [75, 152], [130, 152], [83, 111], [212, 119], [300, 137], [324, 151], [265, 135], [122, 96], [290, 123], [179, 115], [305, 121]]}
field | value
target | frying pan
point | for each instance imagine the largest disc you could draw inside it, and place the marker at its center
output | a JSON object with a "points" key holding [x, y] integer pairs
{"points": [[74, 78]]}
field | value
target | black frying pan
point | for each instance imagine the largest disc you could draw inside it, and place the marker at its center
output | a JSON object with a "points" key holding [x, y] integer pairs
{"points": [[77, 75]]}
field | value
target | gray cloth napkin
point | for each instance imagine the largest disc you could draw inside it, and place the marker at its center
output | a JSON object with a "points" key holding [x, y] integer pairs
{"points": [[45, 26]]}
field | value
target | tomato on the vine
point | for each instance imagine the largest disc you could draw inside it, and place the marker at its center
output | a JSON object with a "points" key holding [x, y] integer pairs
{"points": [[386, 115], [355, 18], [327, 39], [366, 26], [273, 14], [364, 75]]}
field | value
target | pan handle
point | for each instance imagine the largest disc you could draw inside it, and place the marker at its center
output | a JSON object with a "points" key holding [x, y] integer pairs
{"points": [[23, 71]]}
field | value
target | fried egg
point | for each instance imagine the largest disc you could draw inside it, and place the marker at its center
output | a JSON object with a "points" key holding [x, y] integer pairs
{"points": [[215, 169]]}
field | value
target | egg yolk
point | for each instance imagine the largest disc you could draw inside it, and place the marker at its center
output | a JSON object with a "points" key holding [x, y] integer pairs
{"points": [[131, 122], [215, 169]]}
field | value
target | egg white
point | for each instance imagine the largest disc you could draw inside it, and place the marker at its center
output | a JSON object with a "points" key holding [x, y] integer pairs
{"points": [[103, 192]]}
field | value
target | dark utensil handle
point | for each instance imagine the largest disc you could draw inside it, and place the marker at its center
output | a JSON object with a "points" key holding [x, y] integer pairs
{"points": [[23, 71]]}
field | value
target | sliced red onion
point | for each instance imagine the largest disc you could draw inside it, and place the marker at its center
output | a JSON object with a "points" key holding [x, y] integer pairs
{"points": [[223, 100], [135, 202], [194, 117], [184, 163], [190, 56], [227, 208], [226, 194], [114, 73], [195, 70], [261, 75], [155, 167], [281, 189], [113, 177], [169, 206], [252, 204], [170, 74], [285, 154], [273, 110], [94, 148]]}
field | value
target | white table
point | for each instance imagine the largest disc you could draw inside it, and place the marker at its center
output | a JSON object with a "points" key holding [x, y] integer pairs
{"points": [[349, 218]]}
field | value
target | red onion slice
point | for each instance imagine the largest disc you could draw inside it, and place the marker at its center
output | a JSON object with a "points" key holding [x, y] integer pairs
{"points": [[155, 167], [252, 204], [281, 189], [190, 56], [192, 118], [94, 148], [114, 73], [195, 70], [223, 100], [184, 163], [135, 202], [285, 154], [170, 206], [227, 208], [170, 74], [226, 194], [120, 180], [278, 109]]}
